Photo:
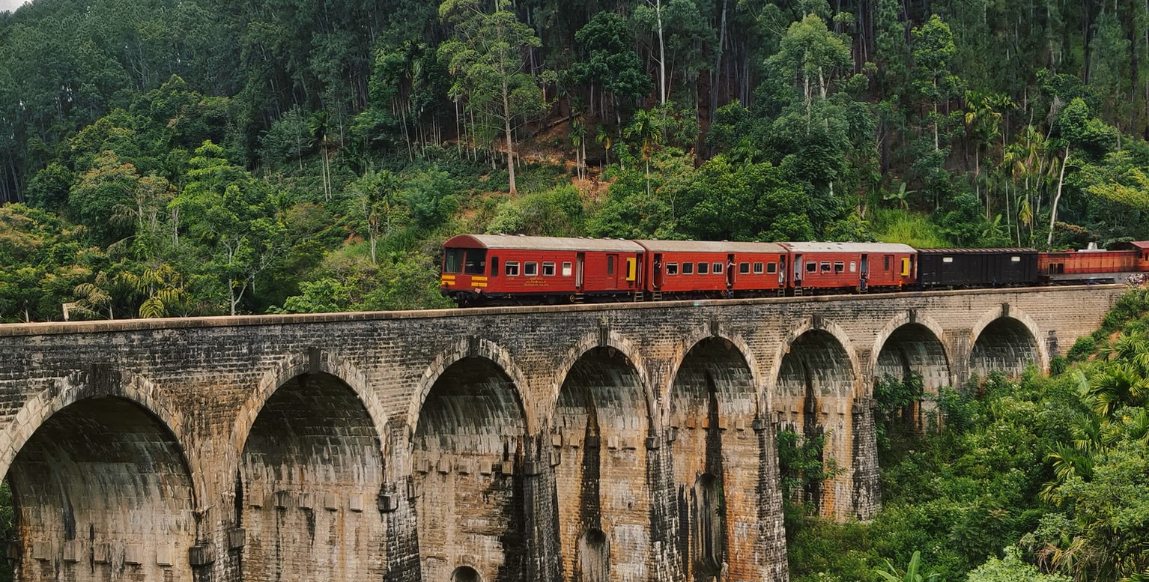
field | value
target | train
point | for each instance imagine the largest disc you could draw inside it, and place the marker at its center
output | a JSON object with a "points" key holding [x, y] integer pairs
{"points": [[492, 269]]}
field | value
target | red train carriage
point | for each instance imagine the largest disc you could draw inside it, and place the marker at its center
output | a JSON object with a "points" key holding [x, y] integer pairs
{"points": [[499, 269], [1093, 264], [693, 269], [826, 267]]}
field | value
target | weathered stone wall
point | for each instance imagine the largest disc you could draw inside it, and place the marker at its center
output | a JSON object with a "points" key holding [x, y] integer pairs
{"points": [[460, 444]]}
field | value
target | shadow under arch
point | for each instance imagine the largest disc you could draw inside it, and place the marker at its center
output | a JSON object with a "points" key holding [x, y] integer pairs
{"points": [[468, 443], [299, 364], [1006, 340], [104, 474], [720, 456], [733, 342], [919, 344], [308, 479], [609, 341], [462, 349], [601, 421], [97, 382], [817, 381]]}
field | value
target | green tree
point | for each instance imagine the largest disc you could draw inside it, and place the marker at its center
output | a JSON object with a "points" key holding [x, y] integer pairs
{"points": [[933, 52], [485, 55], [227, 213]]}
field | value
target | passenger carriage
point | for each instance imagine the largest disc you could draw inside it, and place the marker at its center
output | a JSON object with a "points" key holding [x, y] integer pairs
{"points": [[826, 267], [480, 269], [699, 269]]}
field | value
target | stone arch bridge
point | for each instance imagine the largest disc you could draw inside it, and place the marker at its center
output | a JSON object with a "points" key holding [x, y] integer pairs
{"points": [[599, 442]]}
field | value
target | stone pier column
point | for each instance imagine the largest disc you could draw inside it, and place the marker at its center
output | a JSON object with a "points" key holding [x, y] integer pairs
{"points": [[867, 497]]}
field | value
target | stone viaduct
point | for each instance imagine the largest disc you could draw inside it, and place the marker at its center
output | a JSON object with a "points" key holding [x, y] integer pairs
{"points": [[625, 442]]}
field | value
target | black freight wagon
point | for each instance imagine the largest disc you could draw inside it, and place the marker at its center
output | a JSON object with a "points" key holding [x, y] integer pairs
{"points": [[976, 267]]}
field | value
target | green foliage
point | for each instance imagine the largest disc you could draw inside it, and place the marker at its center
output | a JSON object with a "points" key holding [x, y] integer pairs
{"points": [[556, 212]]}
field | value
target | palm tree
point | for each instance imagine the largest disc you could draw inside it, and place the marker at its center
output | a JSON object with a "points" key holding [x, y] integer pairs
{"points": [[646, 127]]}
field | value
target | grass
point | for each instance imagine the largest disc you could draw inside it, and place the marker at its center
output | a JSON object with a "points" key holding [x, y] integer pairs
{"points": [[910, 228]]}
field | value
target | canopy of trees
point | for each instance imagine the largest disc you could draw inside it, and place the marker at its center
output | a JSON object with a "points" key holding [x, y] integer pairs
{"points": [[167, 158]]}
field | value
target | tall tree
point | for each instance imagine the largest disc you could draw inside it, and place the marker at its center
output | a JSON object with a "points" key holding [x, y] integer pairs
{"points": [[485, 55]]}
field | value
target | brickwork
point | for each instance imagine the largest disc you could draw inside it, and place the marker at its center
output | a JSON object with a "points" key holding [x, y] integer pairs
{"points": [[441, 445]]}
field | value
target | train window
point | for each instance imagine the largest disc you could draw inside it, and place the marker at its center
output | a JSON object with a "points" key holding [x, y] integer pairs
{"points": [[811, 267], [717, 270], [825, 266], [839, 266], [453, 261], [512, 269], [1015, 259], [548, 269], [853, 267], [771, 268], [476, 263], [566, 269], [743, 268], [887, 261], [610, 264], [947, 259], [494, 266], [703, 268], [687, 268], [672, 268], [531, 269]]}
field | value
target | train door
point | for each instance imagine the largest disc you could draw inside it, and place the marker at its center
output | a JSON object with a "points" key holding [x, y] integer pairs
{"points": [[782, 272], [580, 262], [865, 267], [797, 271], [731, 267], [657, 271], [612, 272]]}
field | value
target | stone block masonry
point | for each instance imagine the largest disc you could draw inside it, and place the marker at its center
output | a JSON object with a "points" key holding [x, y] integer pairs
{"points": [[624, 442]]}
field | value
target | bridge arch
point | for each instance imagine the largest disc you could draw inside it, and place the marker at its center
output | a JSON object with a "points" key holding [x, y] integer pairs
{"points": [[603, 415], [310, 464], [1006, 339], [735, 342], [470, 427], [99, 466], [717, 453], [610, 340], [470, 348], [818, 326], [817, 380], [296, 365], [921, 345]]}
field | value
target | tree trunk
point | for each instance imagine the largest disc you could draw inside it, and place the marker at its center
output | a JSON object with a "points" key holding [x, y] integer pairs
{"points": [[661, 55], [1057, 198], [510, 142]]}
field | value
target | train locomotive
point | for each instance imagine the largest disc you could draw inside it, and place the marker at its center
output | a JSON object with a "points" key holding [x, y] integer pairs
{"points": [[488, 270]]}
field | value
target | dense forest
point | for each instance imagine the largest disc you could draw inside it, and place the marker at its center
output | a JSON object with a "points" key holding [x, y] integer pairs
{"points": [[191, 157]]}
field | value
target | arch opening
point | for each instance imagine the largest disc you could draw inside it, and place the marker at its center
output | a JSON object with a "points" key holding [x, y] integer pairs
{"points": [[600, 425], [467, 466], [713, 411], [1005, 345], [101, 490], [911, 350], [466, 574], [814, 399], [309, 474]]}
